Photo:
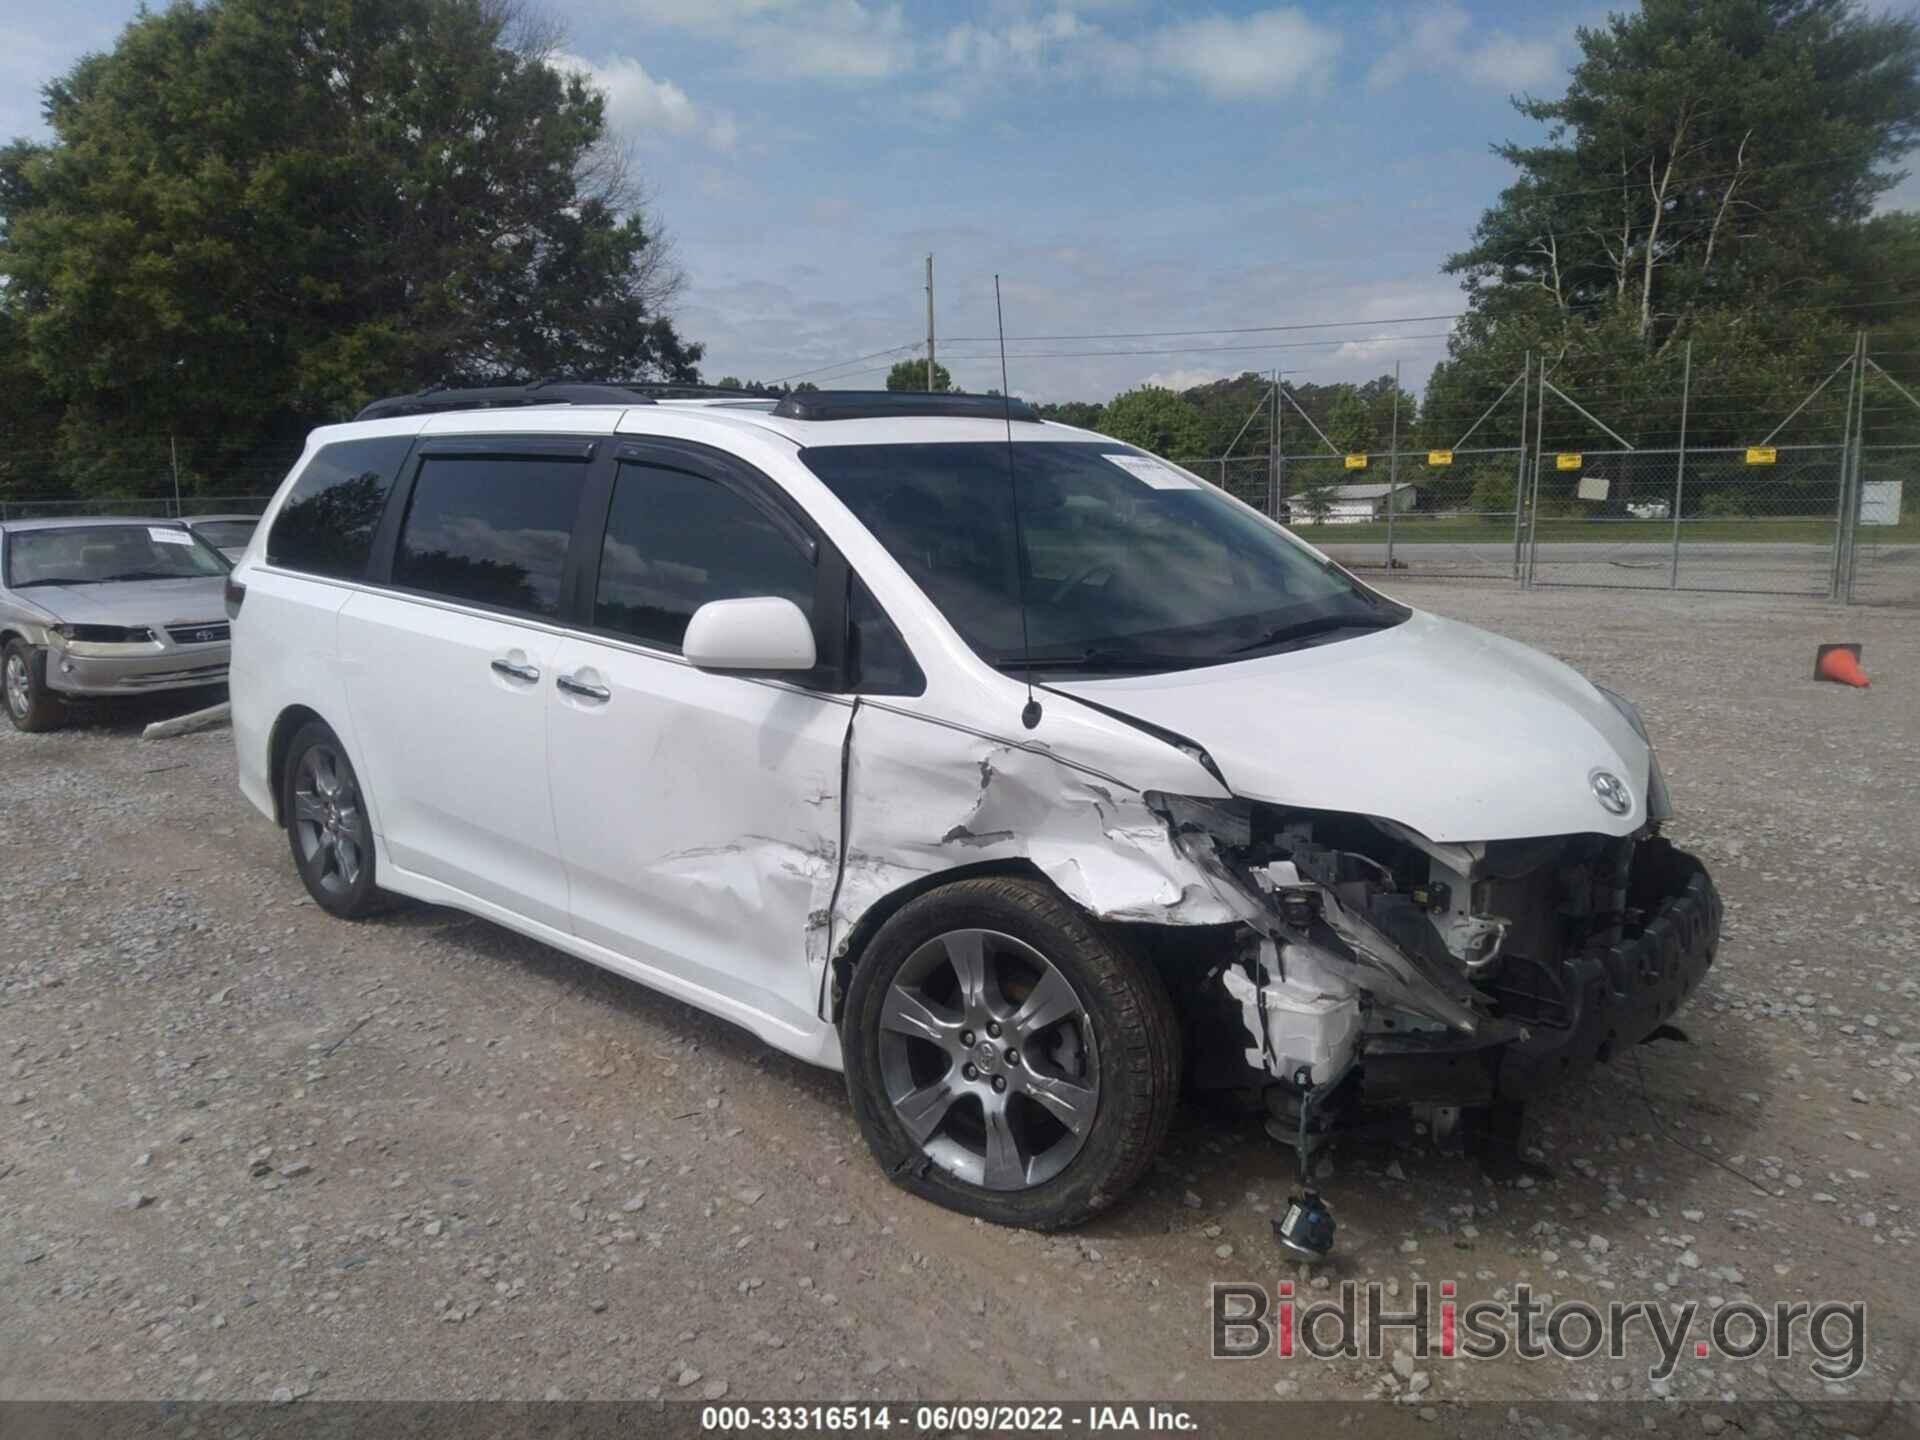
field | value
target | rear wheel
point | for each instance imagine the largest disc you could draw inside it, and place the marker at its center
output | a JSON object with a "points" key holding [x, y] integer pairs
{"points": [[327, 824], [1005, 1058], [31, 706]]}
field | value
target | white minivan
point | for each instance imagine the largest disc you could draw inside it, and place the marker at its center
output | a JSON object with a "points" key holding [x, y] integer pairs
{"points": [[1022, 775]]}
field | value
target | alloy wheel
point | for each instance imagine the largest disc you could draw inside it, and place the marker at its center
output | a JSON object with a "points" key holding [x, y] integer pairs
{"points": [[988, 1057], [326, 819], [19, 692]]}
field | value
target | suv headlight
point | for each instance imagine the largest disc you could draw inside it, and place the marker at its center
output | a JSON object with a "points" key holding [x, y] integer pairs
{"points": [[1659, 802]]}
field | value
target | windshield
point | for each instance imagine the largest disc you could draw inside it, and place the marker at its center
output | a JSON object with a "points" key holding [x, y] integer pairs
{"points": [[94, 554], [1130, 564], [226, 534]]}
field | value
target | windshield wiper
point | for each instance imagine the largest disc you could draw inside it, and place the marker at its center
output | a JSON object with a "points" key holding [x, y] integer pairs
{"points": [[147, 575], [53, 580], [1309, 629], [1100, 658]]}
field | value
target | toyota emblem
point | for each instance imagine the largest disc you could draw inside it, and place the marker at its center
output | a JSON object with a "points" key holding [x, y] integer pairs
{"points": [[1611, 791]]}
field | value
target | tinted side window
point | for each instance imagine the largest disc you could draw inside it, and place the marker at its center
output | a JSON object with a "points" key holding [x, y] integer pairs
{"points": [[491, 531], [880, 662], [326, 527], [675, 541]]}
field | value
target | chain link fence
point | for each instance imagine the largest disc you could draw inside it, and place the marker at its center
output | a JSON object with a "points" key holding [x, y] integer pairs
{"points": [[1881, 564], [1828, 518], [1452, 513], [1245, 477], [1706, 519]]}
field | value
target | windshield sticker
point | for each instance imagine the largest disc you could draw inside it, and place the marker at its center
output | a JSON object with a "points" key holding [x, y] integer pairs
{"points": [[1153, 472], [168, 537]]}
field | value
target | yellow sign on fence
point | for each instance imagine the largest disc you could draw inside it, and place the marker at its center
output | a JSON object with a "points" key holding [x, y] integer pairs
{"points": [[1566, 461], [1762, 455], [1439, 457], [1356, 462]]}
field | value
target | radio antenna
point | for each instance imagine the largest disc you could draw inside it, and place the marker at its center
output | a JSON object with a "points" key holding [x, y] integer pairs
{"points": [[1030, 713]]}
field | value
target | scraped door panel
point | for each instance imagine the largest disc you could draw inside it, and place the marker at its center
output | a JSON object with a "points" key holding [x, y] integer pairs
{"points": [[699, 817]]}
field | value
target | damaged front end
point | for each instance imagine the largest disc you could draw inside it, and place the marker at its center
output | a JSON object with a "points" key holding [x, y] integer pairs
{"points": [[1374, 968]]}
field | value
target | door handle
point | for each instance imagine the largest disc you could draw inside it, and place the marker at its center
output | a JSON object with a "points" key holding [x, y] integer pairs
{"points": [[598, 693], [515, 671]]}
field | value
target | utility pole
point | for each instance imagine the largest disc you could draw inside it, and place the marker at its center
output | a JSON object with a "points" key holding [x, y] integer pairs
{"points": [[1680, 467], [1393, 467], [1276, 478], [173, 454], [930, 366]]}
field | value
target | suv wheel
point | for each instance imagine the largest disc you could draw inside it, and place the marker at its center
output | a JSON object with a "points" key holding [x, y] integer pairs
{"points": [[1005, 1058], [23, 676], [327, 824]]}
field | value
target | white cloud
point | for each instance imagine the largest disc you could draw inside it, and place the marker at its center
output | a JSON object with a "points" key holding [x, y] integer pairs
{"points": [[641, 107], [1262, 56], [811, 39], [1254, 57], [1437, 40], [1185, 377], [1265, 55], [1024, 43], [843, 40]]}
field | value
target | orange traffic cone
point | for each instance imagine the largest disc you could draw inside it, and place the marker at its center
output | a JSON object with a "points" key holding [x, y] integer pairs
{"points": [[1840, 664]]}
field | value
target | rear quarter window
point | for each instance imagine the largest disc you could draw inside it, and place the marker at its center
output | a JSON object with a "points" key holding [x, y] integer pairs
{"points": [[327, 524]]}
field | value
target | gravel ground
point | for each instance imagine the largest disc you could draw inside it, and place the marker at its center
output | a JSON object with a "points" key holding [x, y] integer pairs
{"points": [[249, 1151]]}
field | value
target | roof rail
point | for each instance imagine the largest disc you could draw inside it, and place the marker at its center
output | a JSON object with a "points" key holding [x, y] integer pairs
{"points": [[437, 398], [892, 404]]}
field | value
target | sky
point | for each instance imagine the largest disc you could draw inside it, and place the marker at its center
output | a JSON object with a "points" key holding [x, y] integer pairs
{"points": [[1123, 166]]}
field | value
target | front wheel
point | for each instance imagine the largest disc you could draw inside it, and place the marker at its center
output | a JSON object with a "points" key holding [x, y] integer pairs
{"points": [[31, 706], [327, 824], [1005, 1058]]}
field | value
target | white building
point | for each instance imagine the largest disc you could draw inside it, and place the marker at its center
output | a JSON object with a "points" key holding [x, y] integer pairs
{"points": [[1354, 504]]}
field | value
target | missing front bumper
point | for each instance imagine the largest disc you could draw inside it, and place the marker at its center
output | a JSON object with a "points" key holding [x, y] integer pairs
{"points": [[1652, 918], [1608, 997]]}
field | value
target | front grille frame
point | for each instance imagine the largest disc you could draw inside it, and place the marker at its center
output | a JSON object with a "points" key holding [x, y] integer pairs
{"points": [[205, 632]]}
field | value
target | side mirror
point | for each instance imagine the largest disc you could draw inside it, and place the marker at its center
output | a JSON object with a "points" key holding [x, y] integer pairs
{"points": [[762, 634]]}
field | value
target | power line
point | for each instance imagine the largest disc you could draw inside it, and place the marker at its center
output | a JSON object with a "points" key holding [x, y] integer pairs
{"points": [[1212, 330], [1209, 349], [803, 374], [1907, 299]]}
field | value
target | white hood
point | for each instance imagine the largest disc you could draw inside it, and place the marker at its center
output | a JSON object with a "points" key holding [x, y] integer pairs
{"points": [[1453, 732]]}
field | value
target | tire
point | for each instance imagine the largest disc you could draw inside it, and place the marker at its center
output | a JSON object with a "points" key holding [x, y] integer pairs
{"points": [[30, 705], [328, 829], [911, 1031]]}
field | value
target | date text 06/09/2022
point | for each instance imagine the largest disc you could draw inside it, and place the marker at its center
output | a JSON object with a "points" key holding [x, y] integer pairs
{"points": [[946, 1419]]}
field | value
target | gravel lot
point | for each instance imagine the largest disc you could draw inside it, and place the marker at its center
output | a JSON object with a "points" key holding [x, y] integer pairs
{"points": [[248, 1149]]}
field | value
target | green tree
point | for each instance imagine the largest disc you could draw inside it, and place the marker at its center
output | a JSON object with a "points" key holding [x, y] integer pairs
{"points": [[29, 416], [1315, 502], [1158, 420], [1080, 413], [1350, 424], [1237, 412], [912, 375], [1708, 176], [1490, 488], [257, 214]]}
